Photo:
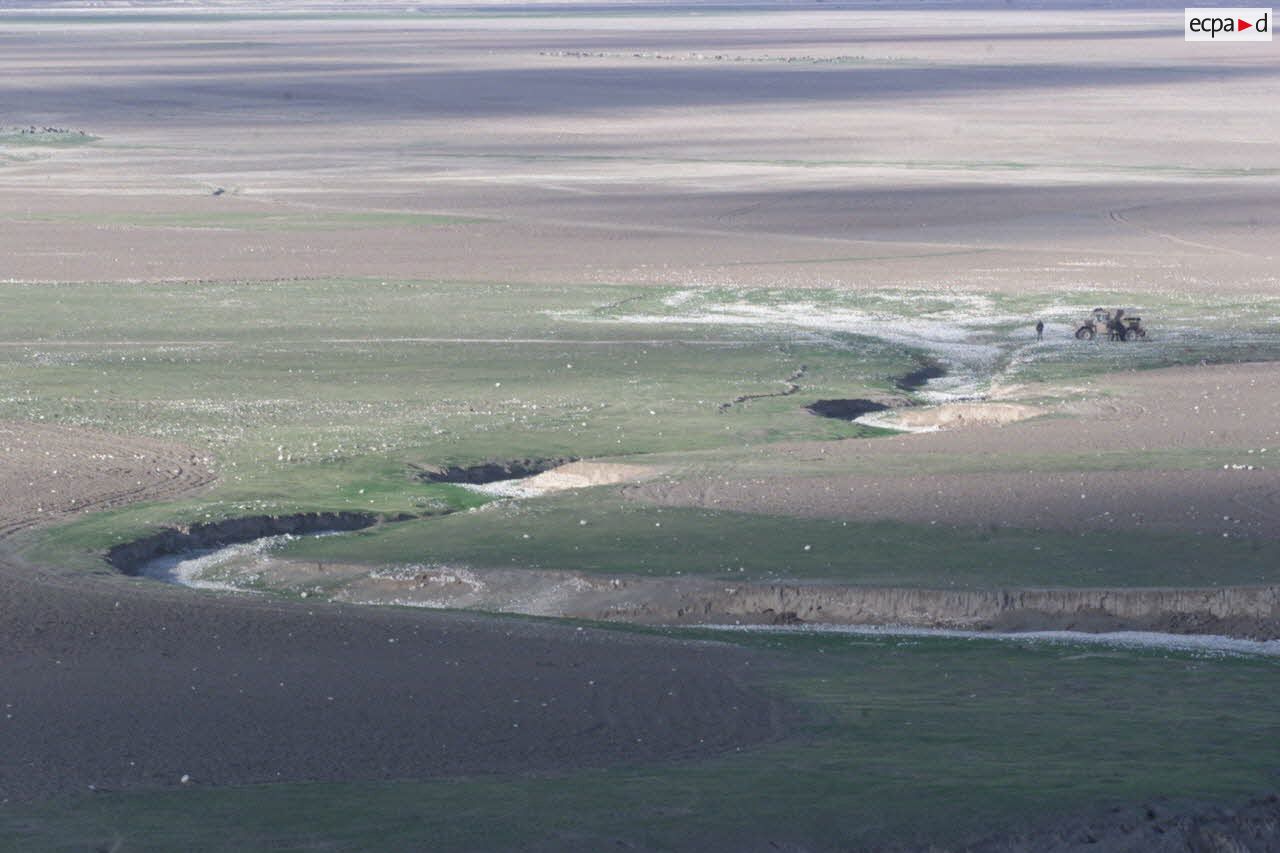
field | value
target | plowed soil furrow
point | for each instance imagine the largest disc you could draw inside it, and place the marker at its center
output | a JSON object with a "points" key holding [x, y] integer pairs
{"points": [[118, 683]]}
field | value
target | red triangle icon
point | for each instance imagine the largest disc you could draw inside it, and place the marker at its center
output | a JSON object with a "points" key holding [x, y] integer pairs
{"points": [[1244, 25]]}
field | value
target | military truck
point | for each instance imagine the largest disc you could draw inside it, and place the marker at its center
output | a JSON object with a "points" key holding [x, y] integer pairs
{"points": [[1116, 324]]}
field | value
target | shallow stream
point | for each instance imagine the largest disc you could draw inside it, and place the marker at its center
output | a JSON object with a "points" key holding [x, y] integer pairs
{"points": [[1208, 644], [211, 568], [219, 568]]}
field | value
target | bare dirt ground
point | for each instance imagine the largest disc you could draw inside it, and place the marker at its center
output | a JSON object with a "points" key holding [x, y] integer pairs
{"points": [[961, 416], [1156, 827], [49, 472], [572, 475], [112, 683], [862, 148], [1232, 407]]}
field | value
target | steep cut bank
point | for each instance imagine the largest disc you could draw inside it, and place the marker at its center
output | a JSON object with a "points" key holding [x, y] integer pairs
{"points": [[130, 556], [1247, 612], [855, 407], [916, 379], [489, 472], [1252, 612], [846, 410]]}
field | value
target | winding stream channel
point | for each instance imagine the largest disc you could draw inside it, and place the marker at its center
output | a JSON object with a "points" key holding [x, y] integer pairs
{"points": [[229, 567]]}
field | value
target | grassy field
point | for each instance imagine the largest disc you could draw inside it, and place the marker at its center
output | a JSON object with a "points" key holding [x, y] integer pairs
{"points": [[316, 372], [322, 395], [906, 740], [591, 534], [318, 395]]}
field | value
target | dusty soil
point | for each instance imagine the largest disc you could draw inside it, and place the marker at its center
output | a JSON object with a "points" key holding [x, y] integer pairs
{"points": [[118, 683], [48, 472], [1233, 407], [649, 149], [581, 475]]}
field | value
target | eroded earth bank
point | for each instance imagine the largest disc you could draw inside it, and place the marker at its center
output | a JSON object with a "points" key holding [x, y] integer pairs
{"points": [[113, 683], [1094, 469]]}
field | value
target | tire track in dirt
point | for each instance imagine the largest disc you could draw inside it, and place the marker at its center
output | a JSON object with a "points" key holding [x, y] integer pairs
{"points": [[1118, 216], [50, 472]]}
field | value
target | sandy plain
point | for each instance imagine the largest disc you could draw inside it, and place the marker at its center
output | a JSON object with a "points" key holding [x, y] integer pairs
{"points": [[806, 146]]}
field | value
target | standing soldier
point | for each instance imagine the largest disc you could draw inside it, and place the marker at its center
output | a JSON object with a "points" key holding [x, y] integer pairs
{"points": [[1039, 330]]}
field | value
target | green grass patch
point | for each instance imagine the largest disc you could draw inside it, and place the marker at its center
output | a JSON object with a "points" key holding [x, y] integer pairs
{"points": [[278, 374], [908, 740], [368, 484], [624, 538], [305, 392]]}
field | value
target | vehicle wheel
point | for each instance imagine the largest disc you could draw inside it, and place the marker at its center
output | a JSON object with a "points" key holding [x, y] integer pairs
{"points": [[1085, 333]]}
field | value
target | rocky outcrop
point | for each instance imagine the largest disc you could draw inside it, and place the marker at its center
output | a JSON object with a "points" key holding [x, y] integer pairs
{"points": [[129, 556]]}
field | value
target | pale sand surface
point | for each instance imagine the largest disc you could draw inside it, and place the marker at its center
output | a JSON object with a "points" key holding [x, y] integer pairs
{"points": [[961, 416], [573, 475]]}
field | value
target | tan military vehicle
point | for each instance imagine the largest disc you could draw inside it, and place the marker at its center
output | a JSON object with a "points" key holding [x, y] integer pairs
{"points": [[1115, 324]]}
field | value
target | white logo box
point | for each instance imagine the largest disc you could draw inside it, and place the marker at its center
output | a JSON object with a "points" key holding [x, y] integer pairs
{"points": [[1229, 23]]}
